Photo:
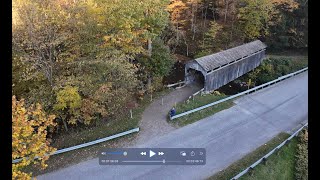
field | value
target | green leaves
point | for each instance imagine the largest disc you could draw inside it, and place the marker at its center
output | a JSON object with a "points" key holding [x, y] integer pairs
{"points": [[160, 62], [210, 38], [254, 18]]}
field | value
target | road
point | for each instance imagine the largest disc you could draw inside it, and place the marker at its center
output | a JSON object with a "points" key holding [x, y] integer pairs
{"points": [[227, 135]]}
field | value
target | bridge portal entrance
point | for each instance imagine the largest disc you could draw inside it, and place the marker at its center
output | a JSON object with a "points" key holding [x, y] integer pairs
{"points": [[195, 77]]}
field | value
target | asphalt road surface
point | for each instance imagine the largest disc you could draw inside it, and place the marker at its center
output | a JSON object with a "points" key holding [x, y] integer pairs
{"points": [[227, 135]]}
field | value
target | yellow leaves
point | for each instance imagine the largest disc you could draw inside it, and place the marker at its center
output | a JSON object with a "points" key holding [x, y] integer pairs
{"points": [[107, 38], [68, 97], [29, 126]]}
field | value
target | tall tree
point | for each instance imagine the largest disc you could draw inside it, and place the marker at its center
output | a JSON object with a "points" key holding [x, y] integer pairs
{"points": [[291, 27], [254, 18], [29, 130], [42, 36], [161, 61], [179, 20]]}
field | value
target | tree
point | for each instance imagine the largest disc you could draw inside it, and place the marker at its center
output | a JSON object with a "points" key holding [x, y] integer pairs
{"points": [[68, 102], [42, 36], [161, 61], [129, 25], [210, 39], [254, 18], [179, 20], [29, 130], [156, 66], [291, 27]]}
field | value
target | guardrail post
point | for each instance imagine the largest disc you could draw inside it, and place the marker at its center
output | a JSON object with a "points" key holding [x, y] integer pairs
{"points": [[250, 171], [277, 151], [288, 142], [264, 161]]}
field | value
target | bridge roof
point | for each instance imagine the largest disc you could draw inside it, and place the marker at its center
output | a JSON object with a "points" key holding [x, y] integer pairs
{"points": [[216, 60]]}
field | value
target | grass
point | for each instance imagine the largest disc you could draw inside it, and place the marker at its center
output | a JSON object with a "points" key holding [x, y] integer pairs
{"points": [[122, 123], [197, 102], [249, 159], [281, 166]]}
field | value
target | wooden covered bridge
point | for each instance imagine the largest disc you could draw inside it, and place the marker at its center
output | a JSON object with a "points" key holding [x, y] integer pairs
{"points": [[216, 70]]}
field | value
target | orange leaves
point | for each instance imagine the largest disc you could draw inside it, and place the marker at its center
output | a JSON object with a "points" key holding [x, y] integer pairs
{"points": [[29, 133]]}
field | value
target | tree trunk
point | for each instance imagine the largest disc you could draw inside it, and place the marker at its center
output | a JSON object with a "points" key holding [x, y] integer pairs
{"points": [[65, 124], [231, 36], [205, 17], [226, 10], [149, 54], [214, 17], [149, 47], [149, 83]]}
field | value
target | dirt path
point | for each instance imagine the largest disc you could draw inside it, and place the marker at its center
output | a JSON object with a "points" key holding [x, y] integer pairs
{"points": [[153, 122]]}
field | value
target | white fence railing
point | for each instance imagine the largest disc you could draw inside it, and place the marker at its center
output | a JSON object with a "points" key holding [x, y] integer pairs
{"points": [[89, 143], [175, 84], [239, 94], [267, 155]]}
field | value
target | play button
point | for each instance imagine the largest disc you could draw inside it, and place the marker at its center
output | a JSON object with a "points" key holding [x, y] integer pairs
{"points": [[152, 153]]}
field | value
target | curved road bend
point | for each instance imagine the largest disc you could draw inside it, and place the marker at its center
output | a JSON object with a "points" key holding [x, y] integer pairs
{"points": [[227, 135]]}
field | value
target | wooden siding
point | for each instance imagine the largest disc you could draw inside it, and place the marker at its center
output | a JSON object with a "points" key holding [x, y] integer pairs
{"points": [[223, 76]]}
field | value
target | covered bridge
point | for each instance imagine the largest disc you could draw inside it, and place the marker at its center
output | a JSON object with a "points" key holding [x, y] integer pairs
{"points": [[216, 70]]}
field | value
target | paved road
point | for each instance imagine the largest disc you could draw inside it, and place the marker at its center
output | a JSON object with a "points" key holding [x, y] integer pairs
{"points": [[227, 136]]}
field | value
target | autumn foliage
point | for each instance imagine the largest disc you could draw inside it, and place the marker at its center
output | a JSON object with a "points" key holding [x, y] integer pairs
{"points": [[29, 130]]}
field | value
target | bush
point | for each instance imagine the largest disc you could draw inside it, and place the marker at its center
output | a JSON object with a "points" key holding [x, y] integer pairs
{"points": [[301, 172], [273, 68]]}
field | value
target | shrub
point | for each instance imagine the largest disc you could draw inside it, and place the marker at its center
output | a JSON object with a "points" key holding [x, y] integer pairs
{"points": [[301, 172]]}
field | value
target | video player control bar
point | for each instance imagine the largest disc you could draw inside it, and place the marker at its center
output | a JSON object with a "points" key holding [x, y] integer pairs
{"points": [[152, 156]]}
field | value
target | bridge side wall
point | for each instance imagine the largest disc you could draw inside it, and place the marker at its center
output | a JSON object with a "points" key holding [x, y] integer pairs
{"points": [[220, 77]]}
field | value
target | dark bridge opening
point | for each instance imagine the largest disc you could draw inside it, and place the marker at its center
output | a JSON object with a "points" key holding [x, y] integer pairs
{"points": [[196, 77]]}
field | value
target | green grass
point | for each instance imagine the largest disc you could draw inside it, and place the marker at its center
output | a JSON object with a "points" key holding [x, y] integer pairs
{"points": [[281, 166], [249, 159], [122, 123], [197, 102]]}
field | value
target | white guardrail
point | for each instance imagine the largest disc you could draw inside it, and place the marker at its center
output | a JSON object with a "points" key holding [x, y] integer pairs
{"points": [[175, 84], [89, 143], [239, 94], [264, 158]]}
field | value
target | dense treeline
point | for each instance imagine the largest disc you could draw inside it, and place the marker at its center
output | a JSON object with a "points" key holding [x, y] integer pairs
{"points": [[85, 60], [72, 55], [200, 27]]}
